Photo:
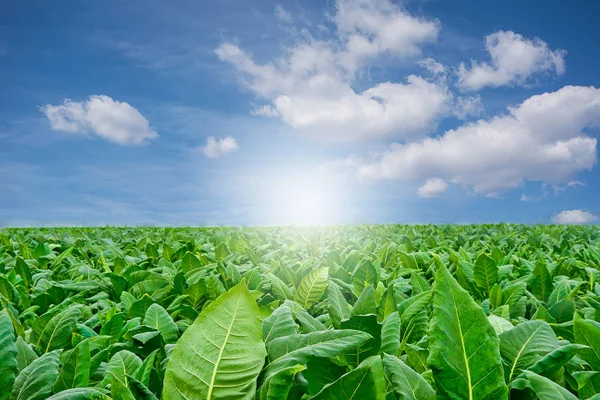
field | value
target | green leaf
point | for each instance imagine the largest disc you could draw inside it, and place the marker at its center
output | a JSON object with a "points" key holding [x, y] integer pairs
{"points": [[364, 382], [390, 334], [464, 354], [8, 355], [159, 319], [540, 282], [138, 308], [364, 276], [500, 324], [280, 289], [36, 380], [544, 388], [552, 362], [221, 354], [321, 372], [405, 382], [367, 324], [588, 383], [75, 373], [278, 385], [120, 365], [189, 262], [312, 287], [56, 334], [144, 371], [25, 354], [485, 273], [24, 271], [524, 345], [298, 349], [337, 306], [365, 303], [413, 306], [80, 394], [139, 389], [587, 332], [280, 323]]}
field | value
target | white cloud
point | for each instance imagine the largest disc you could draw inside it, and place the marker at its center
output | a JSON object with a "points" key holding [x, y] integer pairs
{"points": [[574, 217], [112, 120], [215, 148], [282, 14], [311, 87], [471, 106], [514, 59], [542, 139], [433, 188]]}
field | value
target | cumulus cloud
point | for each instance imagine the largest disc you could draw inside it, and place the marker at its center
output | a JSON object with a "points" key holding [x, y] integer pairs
{"points": [[514, 59], [433, 188], [574, 217], [311, 87], [542, 139], [282, 14], [215, 148], [112, 120]]}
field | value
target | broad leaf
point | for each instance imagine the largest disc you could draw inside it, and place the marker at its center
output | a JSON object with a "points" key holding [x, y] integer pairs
{"points": [[221, 354], [464, 354], [311, 288], [36, 380], [405, 382], [8, 355], [524, 345], [159, 319], [587, 332], [75, 373], [364, 382]]}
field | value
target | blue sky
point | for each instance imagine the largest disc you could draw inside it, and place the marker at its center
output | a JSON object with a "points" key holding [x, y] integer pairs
{"points": [[305, 112]]}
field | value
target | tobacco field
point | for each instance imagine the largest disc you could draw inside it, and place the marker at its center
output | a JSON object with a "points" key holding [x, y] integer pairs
{"points": [[365, 312]]}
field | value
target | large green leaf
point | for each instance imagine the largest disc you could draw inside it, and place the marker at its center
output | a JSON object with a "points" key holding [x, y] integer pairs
{"points": [[298, 349], [363, 276], [540, 282], [75, 373], [120, 365], [364, 382], [158, 318], [221, 354], [278, 385], [36, 380], [80, 394], [524, 345], [390, 334], [279, 323], [25, 354], [337, 306], [320, 372], [464, 354], [552, 362], [367, 324], [485, 273], [587, 332], [8, 355], [311, 288], [405, 382], [57, 332], [543, 388]]}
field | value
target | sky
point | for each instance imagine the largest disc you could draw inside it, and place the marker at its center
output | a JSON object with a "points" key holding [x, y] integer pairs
{"points": [[232, 112]]}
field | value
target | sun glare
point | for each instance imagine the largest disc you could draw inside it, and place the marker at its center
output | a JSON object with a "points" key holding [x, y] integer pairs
{"points": [[305, 201]]}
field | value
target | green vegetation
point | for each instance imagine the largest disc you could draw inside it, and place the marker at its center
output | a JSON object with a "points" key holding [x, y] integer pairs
{"points": [[369, 312]]}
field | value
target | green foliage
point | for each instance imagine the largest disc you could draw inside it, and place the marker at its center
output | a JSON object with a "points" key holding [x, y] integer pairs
{"points": [[365, 312]]}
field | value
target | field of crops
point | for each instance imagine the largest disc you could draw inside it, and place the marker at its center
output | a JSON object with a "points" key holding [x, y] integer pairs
{"points": [[368, 312]]}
